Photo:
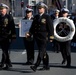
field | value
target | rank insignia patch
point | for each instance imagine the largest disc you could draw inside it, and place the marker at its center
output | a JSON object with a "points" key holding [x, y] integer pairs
{"points": [[5, 22], [43, 21]]}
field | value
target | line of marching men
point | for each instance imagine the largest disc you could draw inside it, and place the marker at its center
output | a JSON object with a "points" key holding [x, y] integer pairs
{"points": [[41, 28]]}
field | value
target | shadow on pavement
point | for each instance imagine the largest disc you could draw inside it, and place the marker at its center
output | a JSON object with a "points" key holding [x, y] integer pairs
{"points": [[18, 63], [58, 65], [21, 70]]}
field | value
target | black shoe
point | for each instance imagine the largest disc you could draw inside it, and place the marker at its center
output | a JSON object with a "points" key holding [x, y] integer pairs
{"points": [[7, 67], [57, 52], [68, 66], [63, 62], [33, 68], [1, 65], [28, 63], [45, 68], [10, 65]]}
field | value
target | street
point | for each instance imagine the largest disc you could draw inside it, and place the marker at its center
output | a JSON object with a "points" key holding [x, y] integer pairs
{"points": [[18, 58], [41, 25]]}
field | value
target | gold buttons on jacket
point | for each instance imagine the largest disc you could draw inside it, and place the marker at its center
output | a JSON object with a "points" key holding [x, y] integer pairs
{"points": [[39, 28], [39, 25], [35, 32]]}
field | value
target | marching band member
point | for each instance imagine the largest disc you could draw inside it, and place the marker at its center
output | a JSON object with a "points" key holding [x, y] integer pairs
{"points": [[29, 42], [55, 43], [41, 27], [65, 47], [7, 33]]}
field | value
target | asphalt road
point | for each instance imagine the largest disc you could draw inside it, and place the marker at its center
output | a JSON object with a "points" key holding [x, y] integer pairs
{"points": [[18, 58]]}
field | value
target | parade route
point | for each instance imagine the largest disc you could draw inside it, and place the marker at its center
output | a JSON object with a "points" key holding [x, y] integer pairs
{"points": [[18, 58]]}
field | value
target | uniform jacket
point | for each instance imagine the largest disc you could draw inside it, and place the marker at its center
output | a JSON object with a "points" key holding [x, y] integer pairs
{"points": [[25, 18], [42, 26], [29, 38], [52, 17], [7, 27]]}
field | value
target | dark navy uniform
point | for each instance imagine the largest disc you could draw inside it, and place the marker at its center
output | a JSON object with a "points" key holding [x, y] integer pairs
{"points": [[29, 45], [7, 33], [65, 47], [54, 16], [41, 28], [74, 20]]}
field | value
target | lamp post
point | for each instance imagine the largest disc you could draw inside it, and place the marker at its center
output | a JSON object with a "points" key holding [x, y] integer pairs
{"points": [[65, 3], [22, 7], [12, 7], [73, 6]]}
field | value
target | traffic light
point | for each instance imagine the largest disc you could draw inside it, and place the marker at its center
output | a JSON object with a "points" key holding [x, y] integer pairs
{"points": [[22, 4]]}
